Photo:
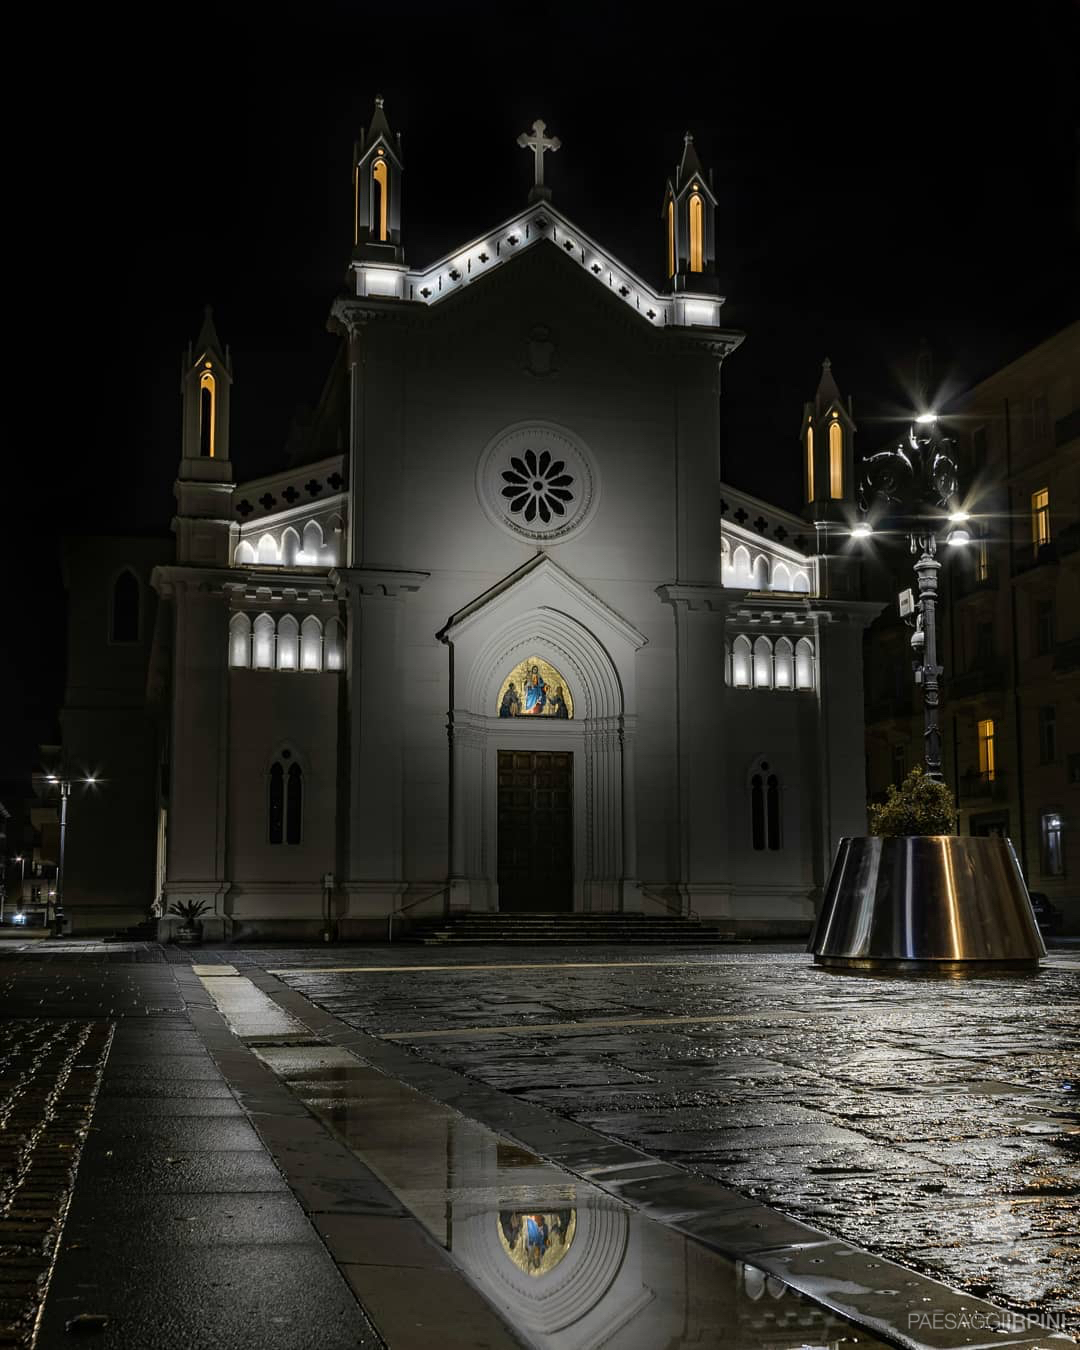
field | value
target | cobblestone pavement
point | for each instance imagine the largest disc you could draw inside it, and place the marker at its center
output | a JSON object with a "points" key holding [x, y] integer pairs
{"points": [[930, 1121], [49, 1075]]}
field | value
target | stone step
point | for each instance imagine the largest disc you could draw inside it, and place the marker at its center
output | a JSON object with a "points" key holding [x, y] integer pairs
{"points": [[534, 928]]}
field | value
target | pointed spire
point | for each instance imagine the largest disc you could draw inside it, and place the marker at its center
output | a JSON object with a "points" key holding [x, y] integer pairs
{"points": [[208, 339], [379, 128], [689, 165], [827, 391]]}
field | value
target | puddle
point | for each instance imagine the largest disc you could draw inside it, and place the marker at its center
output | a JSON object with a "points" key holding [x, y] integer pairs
{"points": [[563, 1263]]}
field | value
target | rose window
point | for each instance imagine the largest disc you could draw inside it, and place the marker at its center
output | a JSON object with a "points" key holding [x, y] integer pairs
{"points": [[537, 485]]}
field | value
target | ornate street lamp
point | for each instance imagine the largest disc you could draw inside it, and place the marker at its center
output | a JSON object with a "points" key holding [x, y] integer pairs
{"points": [[64, 786], [915, 484], [933, 903]]}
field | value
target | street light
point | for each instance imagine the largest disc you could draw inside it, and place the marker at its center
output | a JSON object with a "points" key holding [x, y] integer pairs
{"points": [[916, 485], [64, 785]]}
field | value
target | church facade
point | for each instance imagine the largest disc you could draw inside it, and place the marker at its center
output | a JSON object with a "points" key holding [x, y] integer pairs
{"points": [[509, 641]]}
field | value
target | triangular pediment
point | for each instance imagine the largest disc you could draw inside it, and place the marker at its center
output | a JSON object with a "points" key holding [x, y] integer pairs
{"points": [[541, 584], [540, 226]]}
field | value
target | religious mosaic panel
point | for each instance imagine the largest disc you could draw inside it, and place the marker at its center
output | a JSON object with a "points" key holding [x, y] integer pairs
{"points": [[536, 1243], [534, 688]]}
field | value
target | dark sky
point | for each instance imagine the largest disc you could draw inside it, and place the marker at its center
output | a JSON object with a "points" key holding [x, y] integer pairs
{"points": [[885, 173]]}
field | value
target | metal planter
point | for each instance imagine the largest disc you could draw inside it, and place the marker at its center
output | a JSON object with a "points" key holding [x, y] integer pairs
{"points": [[927, 902]]}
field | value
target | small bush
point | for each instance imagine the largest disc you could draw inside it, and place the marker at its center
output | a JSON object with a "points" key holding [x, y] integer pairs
{"points": [[919, 806]]}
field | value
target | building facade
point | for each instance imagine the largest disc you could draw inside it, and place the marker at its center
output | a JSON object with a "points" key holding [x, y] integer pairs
{"points": [[507, 640], [1010, 626]]}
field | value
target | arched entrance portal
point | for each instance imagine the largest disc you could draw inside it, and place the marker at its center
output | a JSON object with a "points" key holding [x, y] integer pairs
{"points": [[542, 749]]}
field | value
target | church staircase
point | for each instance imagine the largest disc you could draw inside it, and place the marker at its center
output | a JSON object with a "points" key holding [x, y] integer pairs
{"points": [[567, 930]]}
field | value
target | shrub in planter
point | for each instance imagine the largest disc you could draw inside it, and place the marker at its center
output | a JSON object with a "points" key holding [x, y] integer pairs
{"points": [[920, 805], [189, 912]]}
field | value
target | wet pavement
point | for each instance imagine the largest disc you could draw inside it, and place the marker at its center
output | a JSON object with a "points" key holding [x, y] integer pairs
{"points": [[933, 1122], [365, 1146]]}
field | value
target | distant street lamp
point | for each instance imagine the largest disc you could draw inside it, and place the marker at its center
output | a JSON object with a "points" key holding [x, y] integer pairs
{"points": [[915, 485], [21, 860], [64, 785]]}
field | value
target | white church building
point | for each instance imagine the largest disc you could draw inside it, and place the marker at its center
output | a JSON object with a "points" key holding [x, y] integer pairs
{"points": [[508, 641]]}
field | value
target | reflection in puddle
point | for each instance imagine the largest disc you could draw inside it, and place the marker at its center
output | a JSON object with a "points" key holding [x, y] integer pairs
{"points": [[567, 1266]]}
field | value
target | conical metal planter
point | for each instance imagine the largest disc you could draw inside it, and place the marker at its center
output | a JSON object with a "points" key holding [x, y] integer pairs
{"points": [[937, 903]]}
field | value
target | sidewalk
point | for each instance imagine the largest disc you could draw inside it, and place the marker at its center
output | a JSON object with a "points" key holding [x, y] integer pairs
{"points": [[326, 1156]]}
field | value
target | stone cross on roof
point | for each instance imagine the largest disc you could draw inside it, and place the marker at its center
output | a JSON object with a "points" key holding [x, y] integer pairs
{"points": [[539, 144]]}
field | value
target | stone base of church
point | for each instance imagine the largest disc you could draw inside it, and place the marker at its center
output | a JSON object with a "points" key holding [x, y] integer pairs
{"points": [[89, 920]]}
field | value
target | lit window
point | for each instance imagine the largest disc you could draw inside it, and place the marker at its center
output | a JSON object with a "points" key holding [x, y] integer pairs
{"points": [[804, 664], [836, 460], [809, 463], [697, 234], [311, 644], [207, 396], [240, 640], [982, 560], [670, 238], [1040, 518], [381, 183], [740, 662], [263, 643], [288, 643], [987, 769], [334, 646], [784, 664], [763, 663], [1053, 854]]}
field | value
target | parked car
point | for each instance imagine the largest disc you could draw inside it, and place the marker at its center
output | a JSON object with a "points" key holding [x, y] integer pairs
{"points": [[1047, 915]]}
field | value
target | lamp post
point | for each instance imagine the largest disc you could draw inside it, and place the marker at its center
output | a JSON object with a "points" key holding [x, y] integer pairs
{"points": [[64, 786], [20, 858], [928, 903], [916, 484]]}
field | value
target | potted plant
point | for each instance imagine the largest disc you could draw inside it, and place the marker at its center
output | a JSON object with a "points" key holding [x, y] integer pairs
{"points": [[921, 805], [914, 895], [189, 934]]}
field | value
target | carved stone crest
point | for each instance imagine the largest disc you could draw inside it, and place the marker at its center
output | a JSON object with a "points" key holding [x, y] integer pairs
{"points": [[540, 352]]}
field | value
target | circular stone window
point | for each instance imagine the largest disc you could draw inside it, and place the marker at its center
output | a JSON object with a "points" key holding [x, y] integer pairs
{"points": [[536, 480]]}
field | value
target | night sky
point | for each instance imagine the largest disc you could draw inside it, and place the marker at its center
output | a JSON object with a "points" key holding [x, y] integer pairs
{"points": [[885, 173]]}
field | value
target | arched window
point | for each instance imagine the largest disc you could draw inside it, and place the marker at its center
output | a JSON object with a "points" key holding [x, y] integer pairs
{"points": [[263, 643], [772, 810], [124, 616], [761, 573], [763, 673], [276, 804], [268, 549], [285, 802], [670, 238], [380, 185], [809, 463], [313, 542], [725, 562], [741, 566], [801, 582], [290, 546], [740, 662], [240, 640], [334, 646], [781, 577], [765, 807], [783, 664], [245, 553], [288, 643], [804, 664], [207, 410], [333, 545], [311, 644], [697, 234], [836, 460], [757, 812]]}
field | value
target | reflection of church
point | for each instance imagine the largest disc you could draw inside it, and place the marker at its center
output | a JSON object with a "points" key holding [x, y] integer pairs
{"points": [[506, 639]]}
